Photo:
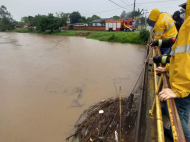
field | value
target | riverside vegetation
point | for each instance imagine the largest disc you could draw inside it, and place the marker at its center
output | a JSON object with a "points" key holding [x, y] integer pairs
{"points": [[49, 24], [119, 36]]}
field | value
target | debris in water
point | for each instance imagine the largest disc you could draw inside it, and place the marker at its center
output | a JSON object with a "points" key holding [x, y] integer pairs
{"points": [[116, 136], [99, 128], [102, 101], [91, 140], [101, 111], [101, 138]]}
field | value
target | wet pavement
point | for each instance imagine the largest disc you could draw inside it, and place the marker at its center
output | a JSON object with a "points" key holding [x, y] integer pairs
{"points": [[47, 81]]}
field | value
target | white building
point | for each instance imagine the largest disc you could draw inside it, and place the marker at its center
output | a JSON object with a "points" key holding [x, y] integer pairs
{"points": [[80, 24]]}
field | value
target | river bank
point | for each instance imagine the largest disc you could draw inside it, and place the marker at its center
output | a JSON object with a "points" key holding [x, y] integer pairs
{"points": [[118, 36]]}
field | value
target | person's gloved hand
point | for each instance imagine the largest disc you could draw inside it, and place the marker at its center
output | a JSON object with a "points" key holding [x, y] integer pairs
{"points": [[149, 44]]}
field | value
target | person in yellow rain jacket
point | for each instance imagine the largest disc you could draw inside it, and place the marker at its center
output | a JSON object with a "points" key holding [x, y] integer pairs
{"points": [[179, 72], [164, 26]]}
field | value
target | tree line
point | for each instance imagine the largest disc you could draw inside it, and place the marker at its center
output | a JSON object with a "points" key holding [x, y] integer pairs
{"points": [[6, 20], [53, 22]]}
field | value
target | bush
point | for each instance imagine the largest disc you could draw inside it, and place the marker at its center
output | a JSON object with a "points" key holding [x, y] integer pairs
{"points": [[122, 37], [144, 35], [111, 38]]}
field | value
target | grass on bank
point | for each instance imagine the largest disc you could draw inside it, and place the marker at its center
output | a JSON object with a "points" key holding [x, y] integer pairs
{"points": [[117, 36], [22, 31], [29, 31], [69, 33], [63, 33], [121, 37]]}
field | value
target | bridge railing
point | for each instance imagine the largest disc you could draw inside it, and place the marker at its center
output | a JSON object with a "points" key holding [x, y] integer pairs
{"points": [[178, 135]]}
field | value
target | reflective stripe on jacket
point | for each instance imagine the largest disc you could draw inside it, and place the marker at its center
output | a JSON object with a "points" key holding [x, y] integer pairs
{"points": [[165, 27], [166, 43], [179, 67]]}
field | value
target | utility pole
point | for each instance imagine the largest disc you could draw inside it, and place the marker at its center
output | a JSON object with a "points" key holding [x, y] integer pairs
{"points": [[134, 5]]}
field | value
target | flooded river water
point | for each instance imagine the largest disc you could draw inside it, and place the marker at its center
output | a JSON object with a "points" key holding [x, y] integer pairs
{"points": [[47, 81]]}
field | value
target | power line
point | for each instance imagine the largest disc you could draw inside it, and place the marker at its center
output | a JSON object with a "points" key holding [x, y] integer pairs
{"points": [[123, 2], [102, 11], [156, 2], [118, 5], [128, 2], [124, 7]]}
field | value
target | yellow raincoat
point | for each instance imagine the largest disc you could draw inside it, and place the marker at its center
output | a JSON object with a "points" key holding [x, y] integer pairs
{"points": [[164, 27], [179, 67]]}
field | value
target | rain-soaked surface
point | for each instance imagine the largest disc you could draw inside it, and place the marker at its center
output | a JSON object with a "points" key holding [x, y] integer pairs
{"points": [[47, 81]]}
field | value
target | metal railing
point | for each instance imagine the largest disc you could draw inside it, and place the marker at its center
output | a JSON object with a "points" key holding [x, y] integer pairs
{"points": [[177, 131]]}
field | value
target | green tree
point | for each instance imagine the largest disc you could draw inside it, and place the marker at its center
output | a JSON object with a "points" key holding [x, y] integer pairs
{"points": [[25, 20], [116, 17], [36, 20], [42, 23], [75, 16], [94, 17], [5, 24], [136, 13], [90, 19], [62, 18], [6, 20], [143, 19], [123, 14], [48, 22], [80, 21], [144, 35], [127, 15], [31, 21], [52, 22], [21, 24]]}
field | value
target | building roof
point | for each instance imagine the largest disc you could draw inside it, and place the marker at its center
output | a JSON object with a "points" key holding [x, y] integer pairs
{"points": [[79, 23], [113, 20], [100, 20]]}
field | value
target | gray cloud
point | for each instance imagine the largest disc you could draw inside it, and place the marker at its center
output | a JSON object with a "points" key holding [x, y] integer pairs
{"points": [[20, 8]]}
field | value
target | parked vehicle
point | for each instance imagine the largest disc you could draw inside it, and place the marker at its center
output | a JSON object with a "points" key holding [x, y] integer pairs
{"points": [[120, 25]]}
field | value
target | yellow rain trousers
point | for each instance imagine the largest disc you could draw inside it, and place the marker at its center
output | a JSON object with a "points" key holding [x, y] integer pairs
{"points": [[164, 27], [179, 67]]}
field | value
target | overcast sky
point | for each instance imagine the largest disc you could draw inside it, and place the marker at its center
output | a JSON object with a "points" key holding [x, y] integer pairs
{"points": [[102, 8]]}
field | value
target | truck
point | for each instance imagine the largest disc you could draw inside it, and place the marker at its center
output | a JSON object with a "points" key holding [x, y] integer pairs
{"points": [[120, 25]]}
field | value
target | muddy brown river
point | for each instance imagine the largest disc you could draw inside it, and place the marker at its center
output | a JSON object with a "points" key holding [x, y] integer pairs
{"points": [[47, 81]]}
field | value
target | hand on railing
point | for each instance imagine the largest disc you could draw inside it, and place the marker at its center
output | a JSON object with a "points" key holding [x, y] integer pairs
{"points": [[149, 44], [160, 70], [166, 94]]}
